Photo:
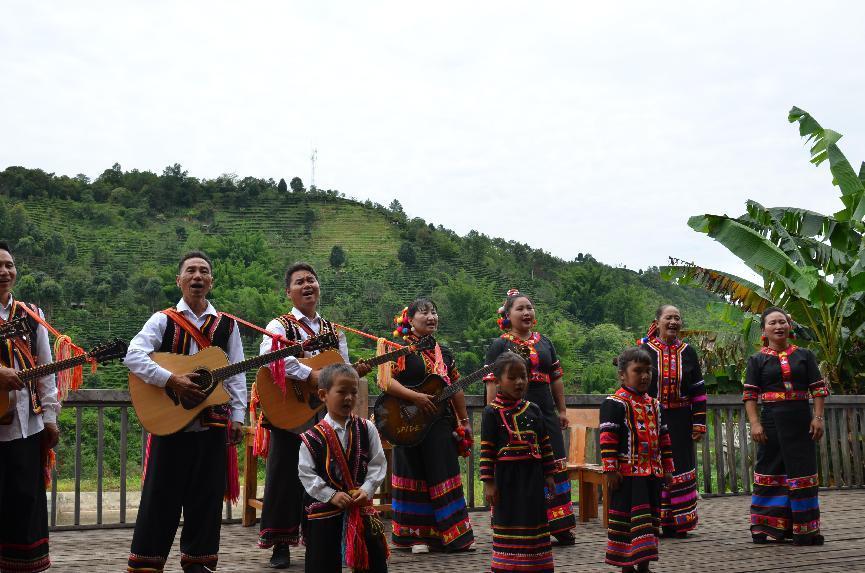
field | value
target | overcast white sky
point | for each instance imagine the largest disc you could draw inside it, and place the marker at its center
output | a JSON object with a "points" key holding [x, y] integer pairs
{"points": [[572, 126]]}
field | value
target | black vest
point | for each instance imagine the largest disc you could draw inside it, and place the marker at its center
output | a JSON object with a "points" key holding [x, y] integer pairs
{"points": [[357, 454]]}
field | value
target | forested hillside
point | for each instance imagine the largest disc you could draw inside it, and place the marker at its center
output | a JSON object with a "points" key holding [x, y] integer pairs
{"points": [[99, 256]]}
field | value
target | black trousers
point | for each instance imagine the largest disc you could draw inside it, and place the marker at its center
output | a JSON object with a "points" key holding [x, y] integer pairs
{"points": [[323, 541], [185, 472], [23, 507], [283, 493]]}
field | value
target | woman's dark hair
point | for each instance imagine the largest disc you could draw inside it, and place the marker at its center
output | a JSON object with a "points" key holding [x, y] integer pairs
{"points": [[771, 310], [504, 361], [632, 354], [298, 267], [421, 303], [509, 302], [662, 308]]}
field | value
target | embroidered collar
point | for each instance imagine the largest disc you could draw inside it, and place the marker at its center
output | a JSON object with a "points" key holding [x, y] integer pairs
{"points": [[788, 351], [502, 402]]}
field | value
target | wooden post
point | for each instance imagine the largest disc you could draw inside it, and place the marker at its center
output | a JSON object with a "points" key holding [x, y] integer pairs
{"points": [[250, 478]]}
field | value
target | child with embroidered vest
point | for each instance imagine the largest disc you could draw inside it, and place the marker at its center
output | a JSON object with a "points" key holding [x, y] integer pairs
{"points": [[637, 460], [341, 464], [516, 463]]}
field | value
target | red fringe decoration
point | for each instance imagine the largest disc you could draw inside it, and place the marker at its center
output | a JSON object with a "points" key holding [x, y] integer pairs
{"points": [[277, 368], [355, 553], [232, 484], [49, 461], [146, 457], [261, 435]]}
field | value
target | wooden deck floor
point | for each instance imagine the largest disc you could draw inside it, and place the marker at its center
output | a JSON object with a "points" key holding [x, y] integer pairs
{"points": [[720, 544]]}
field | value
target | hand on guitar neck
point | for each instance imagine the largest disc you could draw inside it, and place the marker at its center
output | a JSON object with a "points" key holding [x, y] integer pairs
{"points": [[9, 380]]}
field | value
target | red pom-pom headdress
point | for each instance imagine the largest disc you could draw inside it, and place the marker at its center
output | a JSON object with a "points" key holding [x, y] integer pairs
{"points": [[403, 324]]}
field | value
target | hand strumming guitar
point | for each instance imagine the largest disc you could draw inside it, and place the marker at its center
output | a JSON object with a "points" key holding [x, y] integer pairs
{"points": [[362, 368], [9, 380], [185, 388], [424, 402]]}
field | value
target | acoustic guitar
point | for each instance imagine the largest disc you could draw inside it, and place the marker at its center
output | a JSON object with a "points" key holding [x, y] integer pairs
{"points": [[297, 407], [30, 376], [404, 424], [162, 412]]}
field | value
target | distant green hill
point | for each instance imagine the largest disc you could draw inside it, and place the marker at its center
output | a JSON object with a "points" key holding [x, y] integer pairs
{"points": [[100, 256]]}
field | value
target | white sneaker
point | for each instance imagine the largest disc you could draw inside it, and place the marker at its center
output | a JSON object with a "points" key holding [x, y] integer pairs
{"points": [[420, 548]]}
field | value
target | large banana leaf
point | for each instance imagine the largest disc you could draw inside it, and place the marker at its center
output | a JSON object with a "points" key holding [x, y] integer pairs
{"points": [[741, 292], [825, 147], [764, 257]]}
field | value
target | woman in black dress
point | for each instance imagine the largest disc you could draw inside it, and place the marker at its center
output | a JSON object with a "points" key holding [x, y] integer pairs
{"points": [[546, 389], [783, 377], [429, 508], [677, 383]]}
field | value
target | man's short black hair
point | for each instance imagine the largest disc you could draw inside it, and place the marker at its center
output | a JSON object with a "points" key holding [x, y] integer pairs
{"points": [[4, 246], [193, 255], [300, 266]]}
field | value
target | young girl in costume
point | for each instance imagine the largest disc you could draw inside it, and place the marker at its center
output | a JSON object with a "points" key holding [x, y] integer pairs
{"points": [[637, 460], [516, 464]]}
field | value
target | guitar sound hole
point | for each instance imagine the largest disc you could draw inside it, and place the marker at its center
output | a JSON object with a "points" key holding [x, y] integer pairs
{"points": [[408, 412], [204, 380]]}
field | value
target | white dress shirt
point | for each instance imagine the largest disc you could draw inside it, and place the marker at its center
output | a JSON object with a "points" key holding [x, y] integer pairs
{"points": [[24, 422], [294, 369], [316, 487], [150, 340]]}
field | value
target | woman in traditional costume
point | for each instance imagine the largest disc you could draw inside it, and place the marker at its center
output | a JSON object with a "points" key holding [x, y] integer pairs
{"points": [[783, 377], [546, 389], [429, 508], [677, 383]]}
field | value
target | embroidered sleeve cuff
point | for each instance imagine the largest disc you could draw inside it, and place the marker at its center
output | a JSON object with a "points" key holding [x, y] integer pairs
{"points": [[818, 389], [701, 428], [611, 464], [669, 467], [750, 393]]}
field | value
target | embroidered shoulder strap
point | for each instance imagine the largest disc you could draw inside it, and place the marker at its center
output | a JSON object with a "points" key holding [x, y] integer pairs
{"points": [[183, 322], [300, 325]]}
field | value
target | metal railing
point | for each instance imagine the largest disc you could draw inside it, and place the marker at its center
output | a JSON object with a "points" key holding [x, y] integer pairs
{"points": [[725, 457]]}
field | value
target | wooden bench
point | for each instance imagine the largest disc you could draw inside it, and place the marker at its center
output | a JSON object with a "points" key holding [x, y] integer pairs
{"points": [[253, 503], [583, 466]]}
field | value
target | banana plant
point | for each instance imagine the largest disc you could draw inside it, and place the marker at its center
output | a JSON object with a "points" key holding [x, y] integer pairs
{"points": [[811, 264]]}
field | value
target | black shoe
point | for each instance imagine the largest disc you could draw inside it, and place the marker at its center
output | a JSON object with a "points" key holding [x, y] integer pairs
{"points": [[815, 539], [760, 538], [565, 538], [281, 557], [197, 568]]}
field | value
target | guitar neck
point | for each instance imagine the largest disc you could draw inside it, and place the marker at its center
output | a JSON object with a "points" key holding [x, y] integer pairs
{"points": [[387, 357], [463, 383], [51, 368], [255, 362]]}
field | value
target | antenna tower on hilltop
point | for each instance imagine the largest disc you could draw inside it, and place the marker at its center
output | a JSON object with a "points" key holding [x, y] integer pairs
{"points": [[312, 160]]}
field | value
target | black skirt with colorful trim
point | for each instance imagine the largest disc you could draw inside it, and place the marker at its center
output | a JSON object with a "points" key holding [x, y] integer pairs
{"points": [[428, 504], [560, 511], [679, 501], [521, 532], [24, 524], [634, 520], [784, 502]]}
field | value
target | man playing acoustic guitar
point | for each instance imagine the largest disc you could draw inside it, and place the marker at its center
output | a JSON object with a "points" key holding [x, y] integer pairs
{"points": [[187, 470], [283, 492], [27, 431]]}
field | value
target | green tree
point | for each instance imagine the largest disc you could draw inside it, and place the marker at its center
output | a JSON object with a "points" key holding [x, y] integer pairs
{"points": [[296, 185], [811, 264], [337, 257], [281, 186], [406, 254]]}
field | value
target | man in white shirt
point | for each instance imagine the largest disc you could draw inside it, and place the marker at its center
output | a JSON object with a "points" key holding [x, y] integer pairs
{"points": [[188, 470], [283, 493], [27, 431]]}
